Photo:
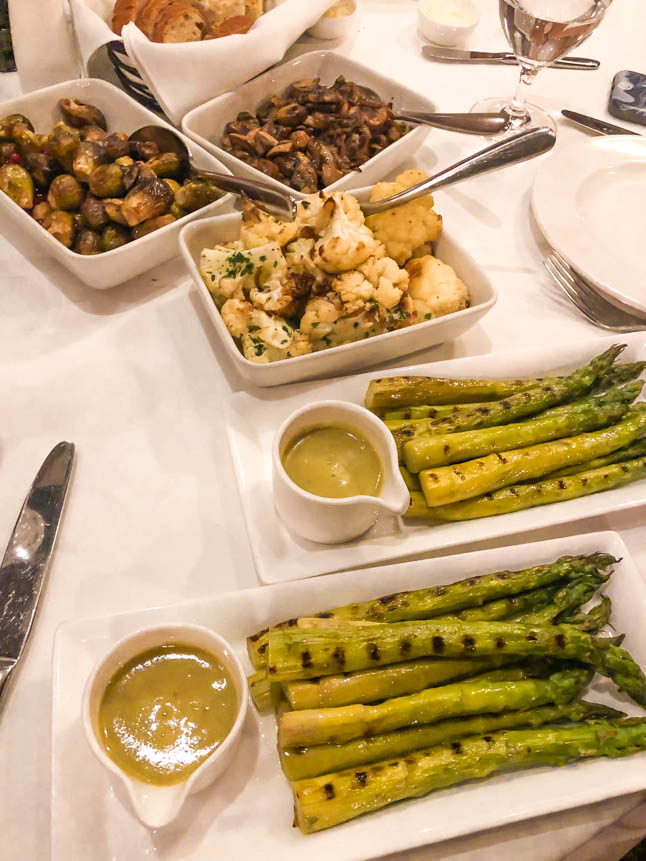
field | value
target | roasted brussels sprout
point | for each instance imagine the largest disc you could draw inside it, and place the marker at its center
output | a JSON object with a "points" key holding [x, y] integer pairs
{"points": [[25, 139], [114, 236], [87, 158], [195, 194], [165, 164], [65, 193], [42, 167], [63, 142], [94, 134], [125, 161], [130, 175], [143, 150], [177, 210], [87, 242], [116, 145], [8, 149], [78, 114], [41, 211], [114, 210], [93, 213], [107, 181], [17, 184], [61, 225], [7, 123], [172, 184], [147, 200], [152, 224]]}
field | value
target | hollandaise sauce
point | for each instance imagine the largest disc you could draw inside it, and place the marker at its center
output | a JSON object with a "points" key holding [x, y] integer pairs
{"points": [[333, 462], [165, 711]]}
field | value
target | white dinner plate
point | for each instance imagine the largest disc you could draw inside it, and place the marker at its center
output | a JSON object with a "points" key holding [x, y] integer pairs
{"points": [[588, 200], [280, 555], [247, 814]]}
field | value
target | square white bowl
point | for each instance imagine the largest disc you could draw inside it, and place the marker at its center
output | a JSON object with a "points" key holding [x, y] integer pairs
{"points": [[205, 124], [125, 115], [345, 358]]}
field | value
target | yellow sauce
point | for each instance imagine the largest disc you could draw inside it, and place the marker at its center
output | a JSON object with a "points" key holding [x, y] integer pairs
{"points": [[334, 462], [165, 711], [340, 9]]}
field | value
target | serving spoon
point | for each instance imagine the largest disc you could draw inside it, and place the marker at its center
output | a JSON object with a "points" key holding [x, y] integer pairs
{"points": [[281, 203]]}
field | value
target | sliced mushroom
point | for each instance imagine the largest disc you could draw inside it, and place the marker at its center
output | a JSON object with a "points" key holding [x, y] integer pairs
{"points": [[304, 176], [300, 139], [292, 114], [280, 148], [263, 142]]}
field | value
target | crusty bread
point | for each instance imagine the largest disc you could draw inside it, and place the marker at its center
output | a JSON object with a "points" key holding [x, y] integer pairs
{"points": [[254, 8], [238, 24], [125, 11], [180, 22], [218, 11], [149, 14]]}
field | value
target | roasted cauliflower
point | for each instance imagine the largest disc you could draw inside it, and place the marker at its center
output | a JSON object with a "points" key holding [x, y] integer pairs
{"points": [[330, 277], [405, 228]]}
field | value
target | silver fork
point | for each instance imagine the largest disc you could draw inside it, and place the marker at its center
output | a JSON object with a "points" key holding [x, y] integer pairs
{"points": [[581, 293]]}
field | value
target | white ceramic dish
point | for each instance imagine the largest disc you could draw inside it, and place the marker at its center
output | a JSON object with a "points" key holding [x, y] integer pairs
{"points": [[122, 114], [332, 521], [248, 812], [280, 555], [206, 123], [155, 805], [336, 27], [347, 357], [588, 200], [440, 30]]}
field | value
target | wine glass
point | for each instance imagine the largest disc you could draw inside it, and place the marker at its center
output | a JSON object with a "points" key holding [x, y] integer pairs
{"points": [[539, 32]]}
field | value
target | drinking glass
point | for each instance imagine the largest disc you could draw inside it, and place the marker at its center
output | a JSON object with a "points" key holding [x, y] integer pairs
{"points": [[539, 32]]}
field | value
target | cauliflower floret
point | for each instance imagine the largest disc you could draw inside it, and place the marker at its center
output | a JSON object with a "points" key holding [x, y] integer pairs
{"points": [[282, 296], [299, 255], [317, 210], [264, 337], [228, 271], [326, 324], [258, 228], [344, 244], [354, 291], [435, 288], [390, 281], [404, 228], [320, 315]]}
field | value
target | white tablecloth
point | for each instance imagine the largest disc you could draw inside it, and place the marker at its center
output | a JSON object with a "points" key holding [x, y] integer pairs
{"points": [[131, 375]]}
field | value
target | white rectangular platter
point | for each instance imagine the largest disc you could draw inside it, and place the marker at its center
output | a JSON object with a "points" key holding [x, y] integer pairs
{"points": [[279, 555], [248, 812]]}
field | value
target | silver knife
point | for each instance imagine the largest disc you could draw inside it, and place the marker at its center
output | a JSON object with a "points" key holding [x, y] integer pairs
{"points": [[25, 562], [455, 55], [599, 126]]}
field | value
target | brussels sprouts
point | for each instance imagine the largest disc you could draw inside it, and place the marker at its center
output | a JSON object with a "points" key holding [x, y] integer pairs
{"points": [[42, 167], [125, 161], [16, 182], [152, 224], [78, 114], [87, 242], [41, 211], [114, 236], [177, 210], [172, 184], [87, 158], [143, 150], [25, 139], [7, 123], [61, 225], [196, 194], [147, 200], [116, 145], [165, 164], [65, 193], [63, 142], [107, 181], [93, 134], [7, 150], [93, 213], [114, 210]]}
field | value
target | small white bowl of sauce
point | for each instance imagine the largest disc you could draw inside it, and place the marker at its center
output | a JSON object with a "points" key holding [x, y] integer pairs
{"points": [[336, 22], [164, 711], [447, 22], [335, 468]]}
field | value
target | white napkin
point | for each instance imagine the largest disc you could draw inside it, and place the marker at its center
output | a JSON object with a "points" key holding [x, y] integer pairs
{"points": [[43, 43], [182, 76]]}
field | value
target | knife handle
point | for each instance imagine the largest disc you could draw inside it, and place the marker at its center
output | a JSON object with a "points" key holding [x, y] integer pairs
{"points": [[582, 63]]}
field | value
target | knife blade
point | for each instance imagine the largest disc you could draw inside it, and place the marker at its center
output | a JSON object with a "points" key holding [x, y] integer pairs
{"points": [[456, 55], [600, 126], [26, 559]]}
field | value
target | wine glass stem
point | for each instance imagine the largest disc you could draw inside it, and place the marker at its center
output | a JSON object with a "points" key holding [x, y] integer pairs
{"points": [[517, 109]]}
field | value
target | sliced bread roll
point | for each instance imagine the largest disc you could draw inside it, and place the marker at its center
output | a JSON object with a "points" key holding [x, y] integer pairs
{"points": [[254, 9], [148, 15], [180, 22], [217, 12], [238, 24], [125, 11]]}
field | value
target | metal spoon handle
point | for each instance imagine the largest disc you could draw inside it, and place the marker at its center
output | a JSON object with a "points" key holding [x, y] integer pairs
{"points": [[477, 124], [514, 149], [271, 199]]}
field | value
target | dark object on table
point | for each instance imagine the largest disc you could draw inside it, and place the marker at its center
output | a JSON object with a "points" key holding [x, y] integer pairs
{"points": [[628, 97], [637, 853], [312, 135], [7, 62]]}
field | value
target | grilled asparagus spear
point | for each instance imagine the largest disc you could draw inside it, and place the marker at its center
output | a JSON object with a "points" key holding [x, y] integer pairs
{"points": [[630, 452], [447, 484], [303, 654], [327, 800], [440, 600], [594, 620], [518, 497], [587, 414], [474, 696], [302, 762]]}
